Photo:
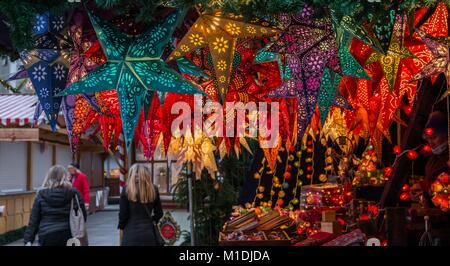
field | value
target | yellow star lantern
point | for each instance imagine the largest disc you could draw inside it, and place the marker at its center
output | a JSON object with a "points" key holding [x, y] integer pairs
{"points": [[390, 61], [220, 33], [335, 126], [196, 148]]}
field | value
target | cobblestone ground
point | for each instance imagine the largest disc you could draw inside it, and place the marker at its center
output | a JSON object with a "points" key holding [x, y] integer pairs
{"points": [[102, 227]]}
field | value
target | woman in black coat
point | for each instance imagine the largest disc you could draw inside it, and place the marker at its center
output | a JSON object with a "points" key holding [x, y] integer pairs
{"points": [[51, 210], [140, 209]]}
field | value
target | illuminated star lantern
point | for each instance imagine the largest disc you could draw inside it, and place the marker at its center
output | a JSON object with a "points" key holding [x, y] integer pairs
{"points": [[310, 46], [45, 23], [196, 148], [77, 108], [390, 61], [440, 62], [48, 74], [350, 66], [220, 34], [382, 27], [327, 94], [46, 64], [348, 24], [134, 68]]}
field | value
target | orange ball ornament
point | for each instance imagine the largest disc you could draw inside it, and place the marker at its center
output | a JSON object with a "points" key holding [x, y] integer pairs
{"points": [[437, 187], [280, 202]]}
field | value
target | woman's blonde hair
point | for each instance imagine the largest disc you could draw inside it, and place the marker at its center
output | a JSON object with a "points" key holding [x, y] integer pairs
{"points": [[57, 176], [139, 184]]}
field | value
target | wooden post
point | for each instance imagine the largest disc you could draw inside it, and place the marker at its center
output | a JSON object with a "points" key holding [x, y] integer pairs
{"points": [[29, 166], [78, 157], [53, 154]]}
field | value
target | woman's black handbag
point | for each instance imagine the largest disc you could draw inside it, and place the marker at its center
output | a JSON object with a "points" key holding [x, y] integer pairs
{"points": [[158, 237]]}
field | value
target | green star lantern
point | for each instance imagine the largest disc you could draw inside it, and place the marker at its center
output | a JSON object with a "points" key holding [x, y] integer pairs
{"points": [[134, 68]]}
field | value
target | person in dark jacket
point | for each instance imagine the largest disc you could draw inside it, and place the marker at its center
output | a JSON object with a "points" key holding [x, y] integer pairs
{"points": [[51, 210], [140, 209]]}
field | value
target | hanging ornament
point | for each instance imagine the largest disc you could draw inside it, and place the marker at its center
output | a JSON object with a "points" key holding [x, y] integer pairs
{"points": [[327, 93], [47, 64], [396, 52], [350, 66], [196, 148], [397, 149], [134, 68], [220, 33], [412, 155], [310, 46], [440, 61]]}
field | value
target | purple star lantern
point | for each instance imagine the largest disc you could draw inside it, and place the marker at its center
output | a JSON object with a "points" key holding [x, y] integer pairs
{"points": [[310, 46]]}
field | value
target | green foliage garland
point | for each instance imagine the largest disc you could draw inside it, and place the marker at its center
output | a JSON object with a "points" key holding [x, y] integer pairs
{"points": [[20, 13]]}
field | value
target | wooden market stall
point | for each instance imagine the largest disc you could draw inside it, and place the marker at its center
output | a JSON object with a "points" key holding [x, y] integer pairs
{"points": [[26, 154]]}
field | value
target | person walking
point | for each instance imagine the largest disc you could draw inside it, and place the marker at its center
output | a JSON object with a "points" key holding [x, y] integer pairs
{"points": [[50, 214], [80, 182], [138, 200]]}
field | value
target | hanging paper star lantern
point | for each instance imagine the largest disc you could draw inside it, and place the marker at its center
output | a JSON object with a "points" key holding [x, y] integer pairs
{"points": [[436, 29], [382, 27], [327, 94], [153, 127], [220, 33], [45, 23], [348, 24], [110, 121], [186, 67], [77, 108], [310, 46], [440, 61], [335, 126], [350, 66], [391, 61], [46, 64], [196, 148], [48, 77], [134, 68], [251, 83]]}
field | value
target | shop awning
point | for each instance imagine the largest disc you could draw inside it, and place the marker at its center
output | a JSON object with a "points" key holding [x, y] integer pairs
{"points": [[18, 109]]}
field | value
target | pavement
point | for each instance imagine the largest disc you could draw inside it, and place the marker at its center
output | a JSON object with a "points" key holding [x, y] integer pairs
{"points": [[102, 226]]}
